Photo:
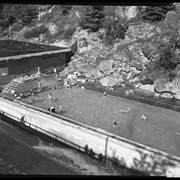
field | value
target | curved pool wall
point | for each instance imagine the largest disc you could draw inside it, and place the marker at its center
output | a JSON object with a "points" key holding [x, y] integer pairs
{"points": [[82, 137]]}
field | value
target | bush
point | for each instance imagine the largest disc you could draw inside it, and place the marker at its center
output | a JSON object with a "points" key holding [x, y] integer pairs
{"points": [[114, 29], [167, 58], [17, 27], [69, 32], [92, 18], [165, 62], [154, 13], [35, 32], [59, 35]]}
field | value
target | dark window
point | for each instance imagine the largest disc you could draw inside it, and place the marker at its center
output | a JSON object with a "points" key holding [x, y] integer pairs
{"points": [[3, 64]]}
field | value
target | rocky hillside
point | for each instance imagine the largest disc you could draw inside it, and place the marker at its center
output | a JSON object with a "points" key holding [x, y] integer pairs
{"points": [[129, 60]]}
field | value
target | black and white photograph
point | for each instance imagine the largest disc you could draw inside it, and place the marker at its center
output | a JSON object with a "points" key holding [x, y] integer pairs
{"points": [[89, 90]]}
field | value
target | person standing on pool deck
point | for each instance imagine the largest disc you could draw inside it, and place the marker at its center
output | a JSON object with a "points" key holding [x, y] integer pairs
{"points": [[60, 109]]}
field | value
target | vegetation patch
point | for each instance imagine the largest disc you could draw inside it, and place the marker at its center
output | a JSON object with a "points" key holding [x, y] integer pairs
{"points": [[35, 32]]}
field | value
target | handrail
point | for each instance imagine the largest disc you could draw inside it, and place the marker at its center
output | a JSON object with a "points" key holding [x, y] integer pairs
{"points": [[47, 132]]}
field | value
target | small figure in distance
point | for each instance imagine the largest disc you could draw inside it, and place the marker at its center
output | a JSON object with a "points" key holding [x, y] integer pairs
{"points": [[37, 98], [21, 95], [82, 87], [105, 94], [60, 109], [143, 117], [52, 109], [31, 100], [31, 91], [50, 96]]}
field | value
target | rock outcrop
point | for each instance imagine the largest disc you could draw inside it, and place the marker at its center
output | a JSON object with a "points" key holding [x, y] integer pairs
{"points": [[110, 81]]}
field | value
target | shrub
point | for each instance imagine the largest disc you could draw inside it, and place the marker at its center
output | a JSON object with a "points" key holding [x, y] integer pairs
{"points": [[154, 13], [58, 35], [114, 29], [17, 27], [167, 58], [92, 19], [165, 62], [35, 32], [69, 32]]}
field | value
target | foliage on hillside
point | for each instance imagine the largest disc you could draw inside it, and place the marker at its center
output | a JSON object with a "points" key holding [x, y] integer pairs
{"points": [[155, 13], [92, 18], [11, 13]]}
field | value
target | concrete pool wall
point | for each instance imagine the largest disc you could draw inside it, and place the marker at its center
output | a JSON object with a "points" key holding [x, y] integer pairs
{"points": [[78, 135]]}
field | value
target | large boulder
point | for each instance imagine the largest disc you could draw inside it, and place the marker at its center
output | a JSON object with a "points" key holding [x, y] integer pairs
{"points": [[110, 81], [162, 85], [106, 67], [139, 30], [167, 95], [131, 11], [93, 72], [137, 53], [53, 29], [125, 67], [134, 71], [147, 87]]}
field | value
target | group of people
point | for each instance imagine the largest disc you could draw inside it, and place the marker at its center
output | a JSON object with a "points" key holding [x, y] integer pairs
{"points": [[18, 97]]}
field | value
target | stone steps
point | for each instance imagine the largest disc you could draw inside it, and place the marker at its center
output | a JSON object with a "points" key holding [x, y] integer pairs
{"points": [[12, 87]]}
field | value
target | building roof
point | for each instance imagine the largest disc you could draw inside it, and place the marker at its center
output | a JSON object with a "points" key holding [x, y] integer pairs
{"points": [[14, 48]]}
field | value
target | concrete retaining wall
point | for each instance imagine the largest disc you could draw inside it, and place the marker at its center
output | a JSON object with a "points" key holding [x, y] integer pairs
{"points": [[78, 135], [26, 64]]}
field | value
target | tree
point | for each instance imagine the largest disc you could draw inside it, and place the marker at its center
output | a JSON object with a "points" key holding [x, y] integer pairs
{"points": [[114, 29], [170, 29], [66, 9], [93, 18], [12, 13], [155, 13], [25, 13], [165, 61], [8, 17]]}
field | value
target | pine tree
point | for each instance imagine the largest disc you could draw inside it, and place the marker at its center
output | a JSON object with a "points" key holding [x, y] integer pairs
{"points": [[155, 13], [93, 18]]}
